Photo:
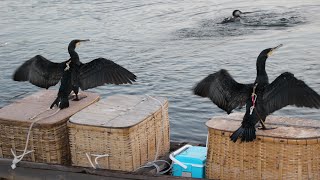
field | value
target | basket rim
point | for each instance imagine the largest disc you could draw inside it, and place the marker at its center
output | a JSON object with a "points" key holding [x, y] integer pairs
{"points": [[266, 138], [43, 99], [287, 128], [104, 118], [74, 124]]}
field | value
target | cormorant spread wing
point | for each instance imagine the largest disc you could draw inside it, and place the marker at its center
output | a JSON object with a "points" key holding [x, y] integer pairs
{"points": [[288, 90], [223, 90], [40, 72], [101, 71]]}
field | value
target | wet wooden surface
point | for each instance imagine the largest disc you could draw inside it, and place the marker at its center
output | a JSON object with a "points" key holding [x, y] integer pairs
{"points": [[284, 127], [23, 109], [118, 111]]}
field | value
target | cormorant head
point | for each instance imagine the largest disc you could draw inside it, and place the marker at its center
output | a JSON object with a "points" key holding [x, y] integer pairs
{"points": [[76, 42], [236, 13], [268, 52]]}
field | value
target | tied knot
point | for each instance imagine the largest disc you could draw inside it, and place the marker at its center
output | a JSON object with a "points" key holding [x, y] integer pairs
{"points": [[17, 159]]}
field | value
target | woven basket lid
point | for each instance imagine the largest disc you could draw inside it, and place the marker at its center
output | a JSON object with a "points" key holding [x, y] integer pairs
{"points": [[119, 111], [284, 127], [22, 110]]}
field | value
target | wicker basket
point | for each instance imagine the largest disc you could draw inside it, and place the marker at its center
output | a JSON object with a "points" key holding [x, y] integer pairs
{"points": [[129, 130], [290, 151], [48, 137]]}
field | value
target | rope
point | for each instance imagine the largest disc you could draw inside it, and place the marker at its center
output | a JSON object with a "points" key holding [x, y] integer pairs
{"points": [[95, 165], [148, 164], [162, 126], [35, 116], [96, 159], [153, 163], [16, 158], [253, 98]]}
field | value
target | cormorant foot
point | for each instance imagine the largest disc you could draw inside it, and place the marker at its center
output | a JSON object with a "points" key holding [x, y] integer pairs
{"points": [[264, 127], [78, 98]]}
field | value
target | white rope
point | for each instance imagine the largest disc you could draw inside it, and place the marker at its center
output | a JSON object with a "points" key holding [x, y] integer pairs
{"points": [[96, 159], [162, 126], [153, 163], [16, 158], [33, 117], [122, 112], [148, 164]]}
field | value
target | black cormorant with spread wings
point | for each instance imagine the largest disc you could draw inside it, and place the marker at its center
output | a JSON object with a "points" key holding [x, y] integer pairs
{"points": [[260, 98], [73, 74]]}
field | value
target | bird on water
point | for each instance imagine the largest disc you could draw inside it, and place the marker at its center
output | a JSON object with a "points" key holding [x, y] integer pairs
{"points": [[261, 97], [73, 74], [236, 15]]}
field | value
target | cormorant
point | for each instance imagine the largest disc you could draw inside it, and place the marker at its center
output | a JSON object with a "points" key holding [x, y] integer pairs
{"points": [[73, 74], [260, 98], [66, 87], [235, 16]]}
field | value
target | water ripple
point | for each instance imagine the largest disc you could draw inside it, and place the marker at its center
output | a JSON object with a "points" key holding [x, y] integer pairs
{"points": [[170, 45]]}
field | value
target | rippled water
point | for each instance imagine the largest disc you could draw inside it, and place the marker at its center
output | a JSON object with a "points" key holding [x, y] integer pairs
{"points": [[169, 45]]}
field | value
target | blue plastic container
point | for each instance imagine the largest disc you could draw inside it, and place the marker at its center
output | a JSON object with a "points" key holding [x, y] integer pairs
{"points": [[189, 161]]}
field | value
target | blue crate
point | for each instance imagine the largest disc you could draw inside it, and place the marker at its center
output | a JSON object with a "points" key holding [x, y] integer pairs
{"points": [[189, 161]]}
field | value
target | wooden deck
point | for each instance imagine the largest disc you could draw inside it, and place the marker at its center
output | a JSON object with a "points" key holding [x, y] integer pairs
{"points": [[42, 171]]}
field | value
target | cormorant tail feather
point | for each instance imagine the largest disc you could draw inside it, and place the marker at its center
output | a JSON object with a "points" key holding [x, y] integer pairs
{"points": [[246, 133]]}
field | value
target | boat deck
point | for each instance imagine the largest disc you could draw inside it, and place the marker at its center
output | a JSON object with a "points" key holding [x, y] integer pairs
{"points": [[42, 171]]}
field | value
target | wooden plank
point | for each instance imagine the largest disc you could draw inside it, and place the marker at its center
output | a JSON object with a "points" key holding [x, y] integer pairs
{"points": [[22, 110], [118, 111], [42, 171]]}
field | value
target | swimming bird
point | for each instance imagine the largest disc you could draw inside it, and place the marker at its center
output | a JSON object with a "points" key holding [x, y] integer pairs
{"points": [[73, 74], [261, 97], [235, 16]]}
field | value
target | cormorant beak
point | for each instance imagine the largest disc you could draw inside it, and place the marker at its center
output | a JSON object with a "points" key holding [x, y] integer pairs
{"points": [[84, 40], [272, 49], [246, 12]]}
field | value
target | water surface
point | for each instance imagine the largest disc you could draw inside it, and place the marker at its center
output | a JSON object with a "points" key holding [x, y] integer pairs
{"points": [[169, 45]]}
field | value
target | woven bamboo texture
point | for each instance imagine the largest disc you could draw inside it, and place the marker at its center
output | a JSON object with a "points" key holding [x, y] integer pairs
{"points": [[128, 128], [291, 151], [49, 137]]}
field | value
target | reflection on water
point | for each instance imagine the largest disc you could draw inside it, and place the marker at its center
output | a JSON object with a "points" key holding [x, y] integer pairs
{"points": [[169, 45]]}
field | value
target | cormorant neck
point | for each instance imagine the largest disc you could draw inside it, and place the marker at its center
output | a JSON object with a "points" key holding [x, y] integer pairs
{"points": [[262, 77], [73, 54]]}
